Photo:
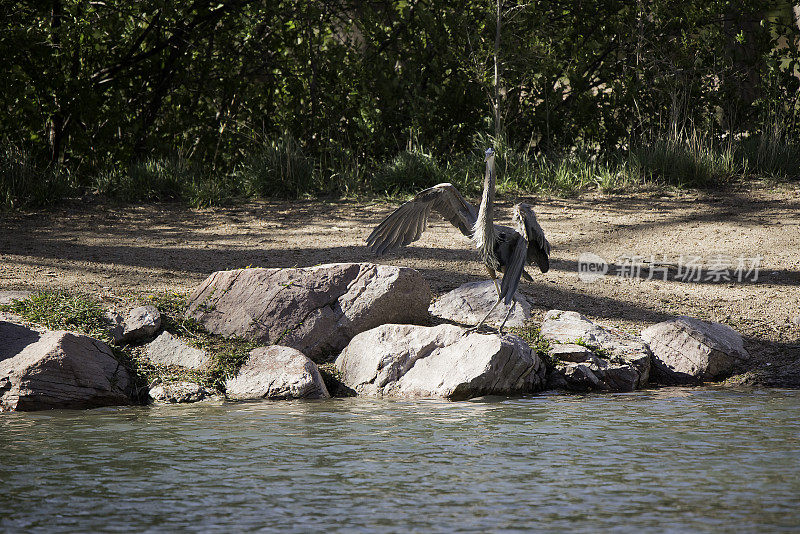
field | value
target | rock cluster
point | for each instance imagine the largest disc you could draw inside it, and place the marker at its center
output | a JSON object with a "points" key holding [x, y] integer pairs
{"points": [[592, 357], [364, 313]]}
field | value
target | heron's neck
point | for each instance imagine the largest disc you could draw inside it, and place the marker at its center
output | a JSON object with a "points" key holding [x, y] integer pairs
{"points": [[483, 232]]}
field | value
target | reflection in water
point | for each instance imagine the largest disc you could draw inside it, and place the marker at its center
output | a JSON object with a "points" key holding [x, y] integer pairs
{"points": [[670, 459]]}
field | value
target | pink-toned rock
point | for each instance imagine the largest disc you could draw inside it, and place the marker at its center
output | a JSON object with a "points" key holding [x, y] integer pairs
{"points": [[316, 310], [181, 392], [277, 373], [468, 304], [58, 369], [168, 350], [142, 322], [570, 352], [688, 350], [442, 361], [14, 337]]}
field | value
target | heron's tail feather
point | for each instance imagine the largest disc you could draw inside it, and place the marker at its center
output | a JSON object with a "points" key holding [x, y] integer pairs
{"points": [[514, 269]]}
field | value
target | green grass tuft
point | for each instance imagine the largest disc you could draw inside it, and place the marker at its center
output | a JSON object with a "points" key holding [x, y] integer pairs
{"points": [[772, 154], [62, 311], [28, 183], [686, 159], [279, 169], [408, 172], [596, 349], [154, 179], [164, 180], [532, 335]]}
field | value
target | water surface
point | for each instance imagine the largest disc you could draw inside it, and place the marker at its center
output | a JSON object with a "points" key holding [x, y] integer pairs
{"points": [[666, 460]]}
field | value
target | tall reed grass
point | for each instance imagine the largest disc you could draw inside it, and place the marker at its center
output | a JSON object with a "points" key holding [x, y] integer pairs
{"points": [[281, 169], [26, 182]]}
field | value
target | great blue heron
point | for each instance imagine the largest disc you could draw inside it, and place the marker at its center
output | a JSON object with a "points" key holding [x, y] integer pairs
{"points": [[501, 248]]}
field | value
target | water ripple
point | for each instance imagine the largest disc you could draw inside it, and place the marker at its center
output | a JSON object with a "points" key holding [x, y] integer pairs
{"points": [[671, 460]]}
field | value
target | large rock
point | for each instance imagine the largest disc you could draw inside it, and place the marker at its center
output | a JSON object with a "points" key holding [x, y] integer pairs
{"points": [[141, 323], [15, 337], [590, 357], [687, 350], [443, 361], [58, 369], [468, 303], [181, 392], [169, 350], [316, 310], [277, 373]]}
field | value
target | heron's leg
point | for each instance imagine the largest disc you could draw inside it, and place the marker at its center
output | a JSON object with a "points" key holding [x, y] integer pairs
{"points": [[480, 324], [510, 309], [493, 274]]}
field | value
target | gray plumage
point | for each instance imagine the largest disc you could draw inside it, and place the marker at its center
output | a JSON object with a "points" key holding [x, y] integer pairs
{"points": [[407, 222], [502, 248]]}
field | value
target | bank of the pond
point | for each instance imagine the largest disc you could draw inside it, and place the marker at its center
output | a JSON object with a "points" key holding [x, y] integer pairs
{"points": [[122, 256]]}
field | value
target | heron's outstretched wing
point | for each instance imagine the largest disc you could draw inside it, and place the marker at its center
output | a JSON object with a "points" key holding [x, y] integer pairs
{"points": [[538, 247], [407, 222]]}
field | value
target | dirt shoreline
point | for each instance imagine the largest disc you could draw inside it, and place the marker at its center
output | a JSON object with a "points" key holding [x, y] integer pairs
{"points": [[120, 254]]}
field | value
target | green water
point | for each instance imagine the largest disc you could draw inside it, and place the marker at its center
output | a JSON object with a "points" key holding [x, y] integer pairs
{"points": [[671, 460]]}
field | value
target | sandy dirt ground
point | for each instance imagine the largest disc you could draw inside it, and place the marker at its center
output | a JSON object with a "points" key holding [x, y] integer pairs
{"points": [[121, 254]]}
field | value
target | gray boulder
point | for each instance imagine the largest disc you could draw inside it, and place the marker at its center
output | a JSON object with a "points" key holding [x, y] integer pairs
{"points": [[277, 372], [141, 323], [442, 361], [590, 357], [58, 369], [181, 392], [468, 303], [687, 350], [169, 350], [316, 310]]}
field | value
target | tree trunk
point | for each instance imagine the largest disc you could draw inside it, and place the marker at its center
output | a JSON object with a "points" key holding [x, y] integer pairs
{"points": [[57, 123], [497, 125], [746, 59]]}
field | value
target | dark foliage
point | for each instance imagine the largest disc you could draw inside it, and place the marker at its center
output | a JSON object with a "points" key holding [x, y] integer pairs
{"points": [[203, 101]]}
